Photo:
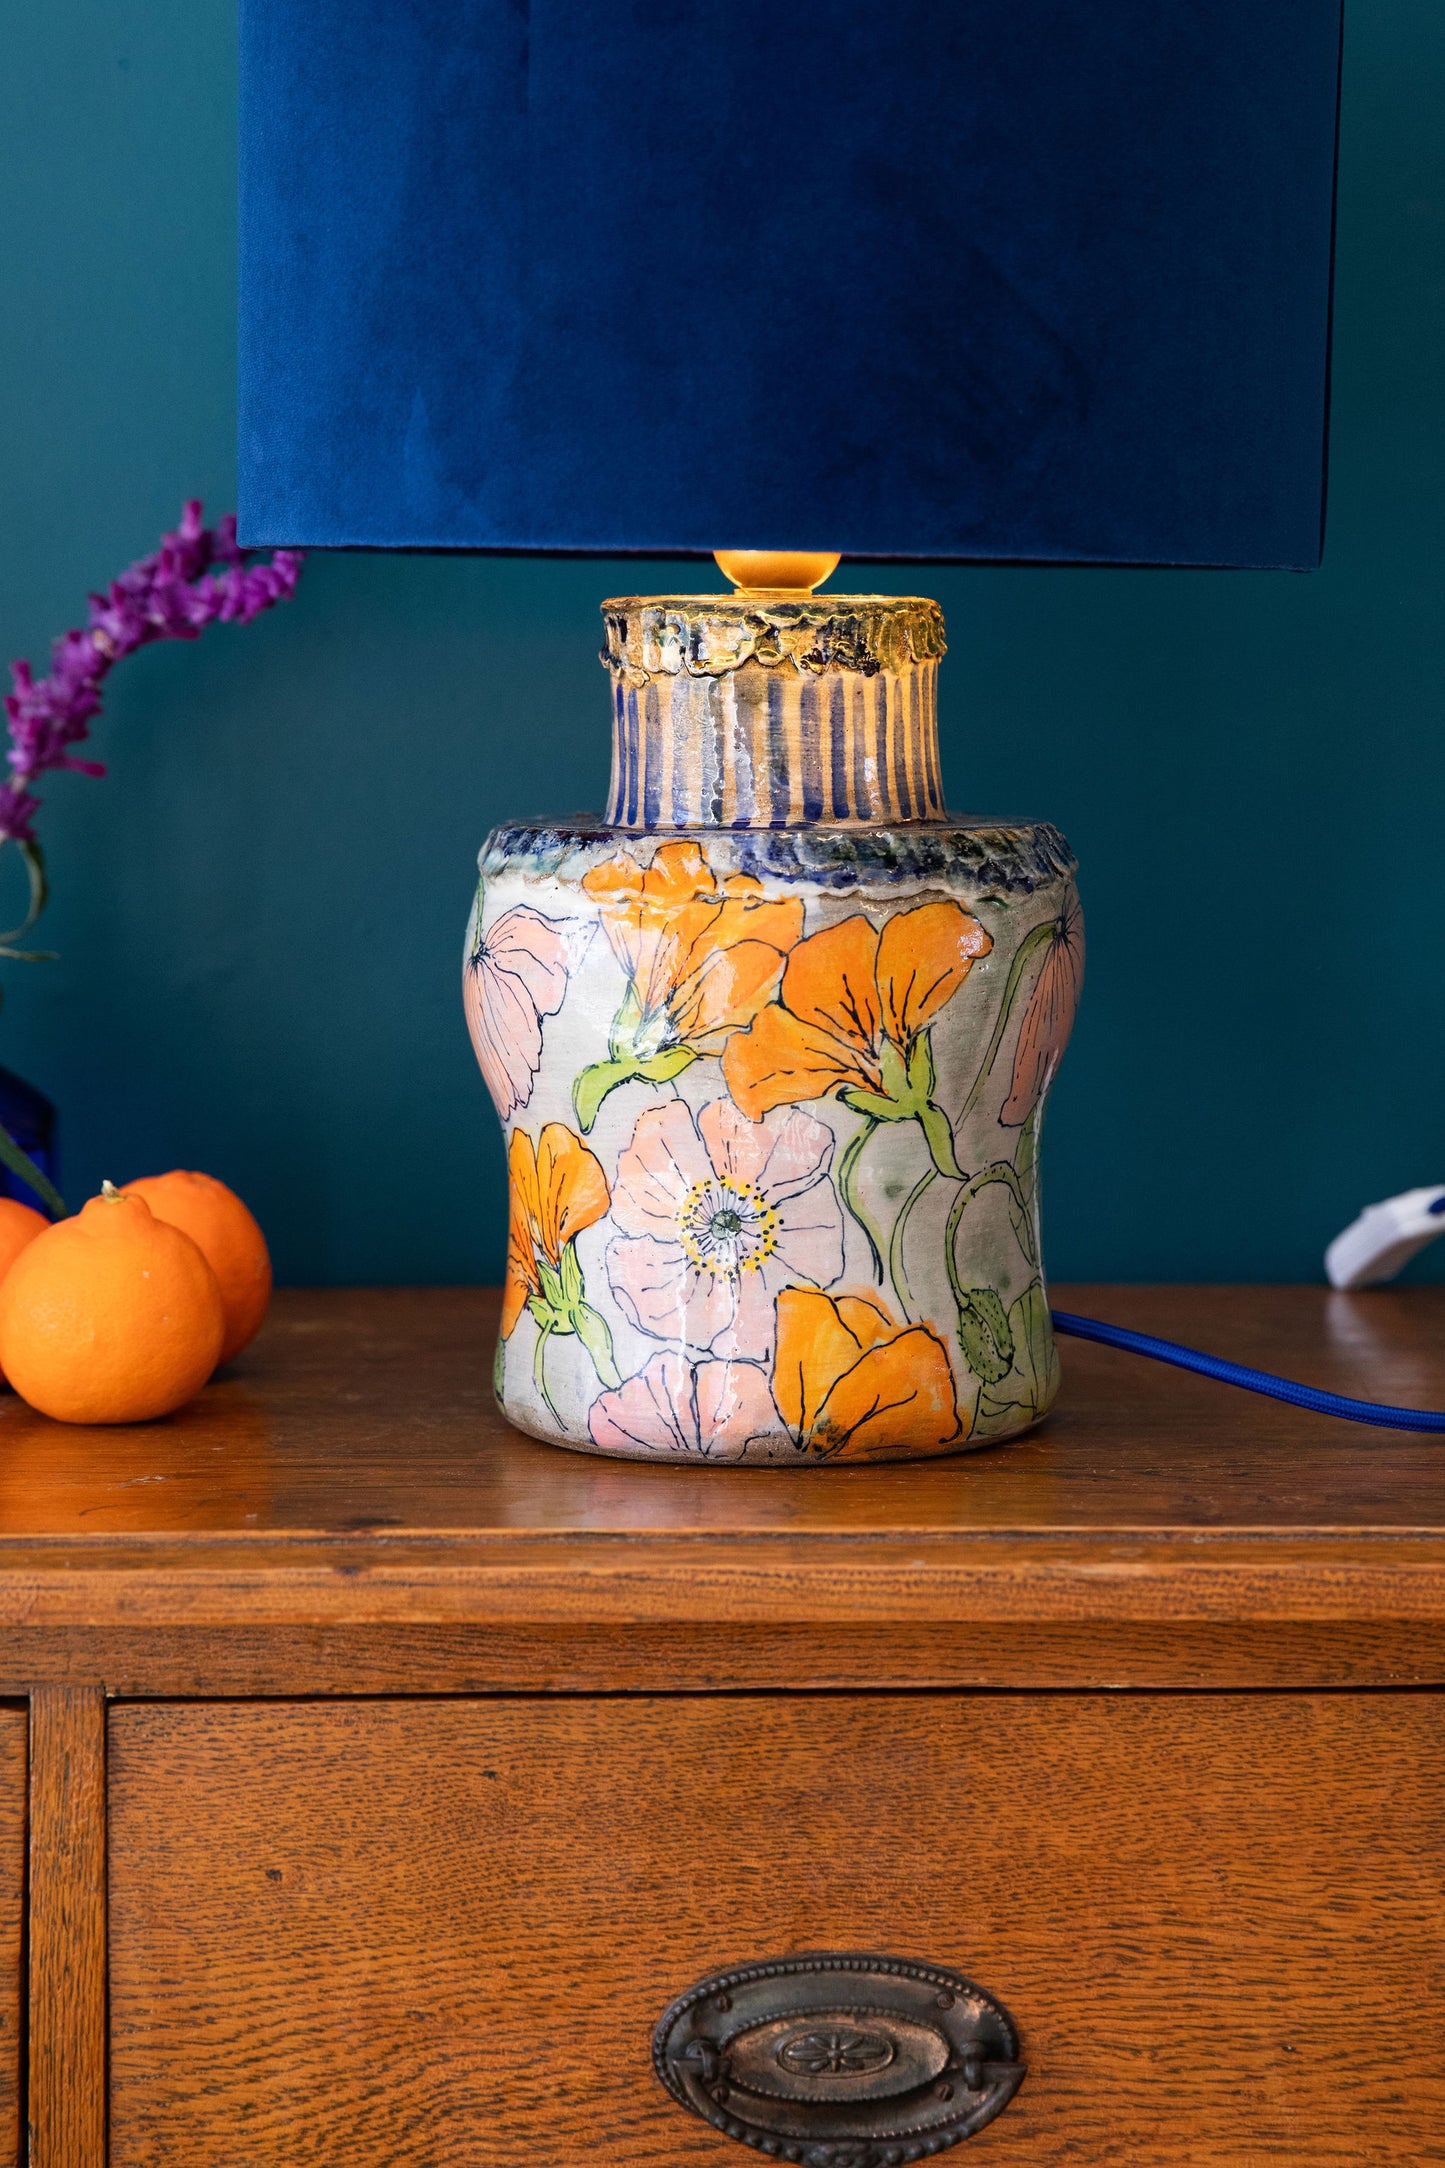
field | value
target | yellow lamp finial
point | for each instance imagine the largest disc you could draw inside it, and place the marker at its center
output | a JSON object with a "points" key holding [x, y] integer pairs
{"points": [[777, 572]]}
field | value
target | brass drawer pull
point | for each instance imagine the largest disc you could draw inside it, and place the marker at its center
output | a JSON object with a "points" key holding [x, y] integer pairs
{"points": [[840, 2059]]}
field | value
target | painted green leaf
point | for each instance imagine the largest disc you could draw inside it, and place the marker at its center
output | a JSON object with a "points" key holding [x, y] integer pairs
{"points": [[570, 1274], [892, 1073], [921, 1075], [935, 1126], [591, 1330], [662, 1068], [1024, 954], [601, 1077], [984, 1335], [552, 1295], [592, 1086], [874, 1105], [1026, 1163], [1033, 1379], [1034, 1338]]}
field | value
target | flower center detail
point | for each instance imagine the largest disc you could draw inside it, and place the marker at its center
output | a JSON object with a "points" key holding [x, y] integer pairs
{"points": [[727, 1227]]}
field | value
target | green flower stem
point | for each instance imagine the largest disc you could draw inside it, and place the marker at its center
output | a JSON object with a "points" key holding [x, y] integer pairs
{"points": [[999, 1170], [22, 1165], [1024, 955], [39, 891], [848, 1188], [896, 1269], [561, 1310], [539, 1370]]}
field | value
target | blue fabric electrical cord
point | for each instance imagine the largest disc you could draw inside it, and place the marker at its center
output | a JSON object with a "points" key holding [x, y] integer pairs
{"points": [[1254, 1381]]}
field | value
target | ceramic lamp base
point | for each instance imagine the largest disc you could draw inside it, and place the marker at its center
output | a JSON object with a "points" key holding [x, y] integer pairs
{"points": [[772, 1092]]}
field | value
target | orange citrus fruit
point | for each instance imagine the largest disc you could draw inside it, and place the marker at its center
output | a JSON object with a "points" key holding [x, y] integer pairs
{"points": [[228, 1237], [110, 1317], [19, 1224]]}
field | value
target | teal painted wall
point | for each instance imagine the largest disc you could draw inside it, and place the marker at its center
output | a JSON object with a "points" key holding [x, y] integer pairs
{"points": [[260, 910]]}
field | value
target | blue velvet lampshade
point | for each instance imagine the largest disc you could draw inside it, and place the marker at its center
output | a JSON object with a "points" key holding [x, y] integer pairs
{"points": [[995, 279]]}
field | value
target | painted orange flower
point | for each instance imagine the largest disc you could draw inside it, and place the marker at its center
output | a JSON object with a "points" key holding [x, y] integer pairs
{"points": [[850, 1013], [853, 1384], [557, 1189], [701, 957]]}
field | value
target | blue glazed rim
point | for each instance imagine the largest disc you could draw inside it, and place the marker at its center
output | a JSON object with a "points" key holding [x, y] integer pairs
{"points": [[1008, 857]]}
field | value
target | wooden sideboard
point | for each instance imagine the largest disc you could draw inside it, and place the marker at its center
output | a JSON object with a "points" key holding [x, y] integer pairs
{"points": [[371, 1776]]}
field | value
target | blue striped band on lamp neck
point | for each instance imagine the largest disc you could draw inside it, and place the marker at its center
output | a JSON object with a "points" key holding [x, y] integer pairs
{"points": [[741, 712]]}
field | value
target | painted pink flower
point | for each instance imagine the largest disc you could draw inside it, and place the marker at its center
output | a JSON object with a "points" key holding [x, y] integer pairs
{"points": [[715, 1216], [679, 1410], [515, 975], [1049, 1016]]}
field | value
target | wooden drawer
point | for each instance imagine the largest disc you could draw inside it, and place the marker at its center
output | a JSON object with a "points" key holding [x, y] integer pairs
{"points": [[439, 1934], [13, 1761]]}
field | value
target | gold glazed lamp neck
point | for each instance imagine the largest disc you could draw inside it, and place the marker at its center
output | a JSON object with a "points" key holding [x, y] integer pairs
{"points": [[772, 707]]}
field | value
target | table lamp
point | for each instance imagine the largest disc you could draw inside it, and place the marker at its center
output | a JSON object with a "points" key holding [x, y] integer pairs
{"points": [[1008, 281]]}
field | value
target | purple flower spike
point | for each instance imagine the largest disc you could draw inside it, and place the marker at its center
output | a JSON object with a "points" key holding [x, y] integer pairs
{"points": [[198, 576]]}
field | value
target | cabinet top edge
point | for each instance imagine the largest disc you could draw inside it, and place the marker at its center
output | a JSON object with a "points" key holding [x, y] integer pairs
{"points": [[997, 1577]]}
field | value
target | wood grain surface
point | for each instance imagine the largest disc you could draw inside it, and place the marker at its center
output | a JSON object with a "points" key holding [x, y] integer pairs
{"points": [[370, 1411], [349, 1500], [438, 1935], [67, 1929], [422, 1658], [12, 1926]]}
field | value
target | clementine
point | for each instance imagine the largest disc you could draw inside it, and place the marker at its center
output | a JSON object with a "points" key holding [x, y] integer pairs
{"points": [[19, 1224], [110, 1317], [227, 1236]]}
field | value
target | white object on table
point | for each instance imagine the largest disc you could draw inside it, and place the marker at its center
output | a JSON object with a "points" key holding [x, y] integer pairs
{"points": [[1385, 1237]]}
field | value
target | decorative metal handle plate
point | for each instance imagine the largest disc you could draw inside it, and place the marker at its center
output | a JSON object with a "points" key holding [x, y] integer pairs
{"points": [[840, 2059]]}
